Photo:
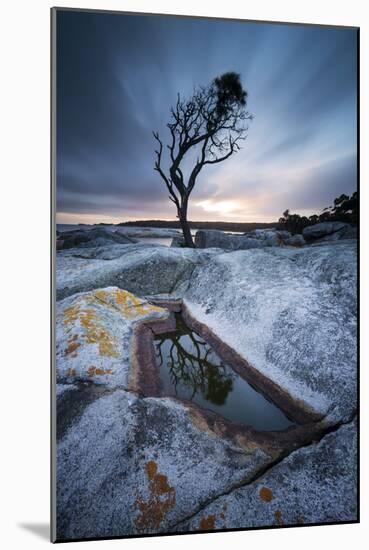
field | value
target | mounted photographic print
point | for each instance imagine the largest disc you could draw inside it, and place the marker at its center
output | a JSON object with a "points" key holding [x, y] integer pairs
{"points": [[204, 230]]}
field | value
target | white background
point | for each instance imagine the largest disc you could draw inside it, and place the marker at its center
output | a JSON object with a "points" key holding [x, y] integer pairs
{"points": [[24, 222]]}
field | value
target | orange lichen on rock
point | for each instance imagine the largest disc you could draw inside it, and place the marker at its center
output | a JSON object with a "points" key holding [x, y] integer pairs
{"points": [[92, 371], [162, 498], [151, 469], [207, 523], [278, 517], [265, 494], [100, 372], [72, 347]]}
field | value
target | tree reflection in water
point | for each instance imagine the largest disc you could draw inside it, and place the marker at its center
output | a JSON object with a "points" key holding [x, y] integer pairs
{"points": [[192, 363]]}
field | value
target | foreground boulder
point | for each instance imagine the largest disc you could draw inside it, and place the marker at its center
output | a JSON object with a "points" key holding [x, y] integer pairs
{"points": [[139, 466], [291, 313], [329, 231], [93, 334], [141, 269], [315, 484], [91, 237]]}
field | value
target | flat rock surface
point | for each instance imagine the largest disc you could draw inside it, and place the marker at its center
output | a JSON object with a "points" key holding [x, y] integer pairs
{"points": [[80, 238], [291, 313], [315, 484], [104, 252], [152, 232], [131, 231], [93, 335], [123, 469], [141, 269]]}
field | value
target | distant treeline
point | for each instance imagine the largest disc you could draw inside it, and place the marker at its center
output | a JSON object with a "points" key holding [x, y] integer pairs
{"points": [[222, 226], [344, 209]]}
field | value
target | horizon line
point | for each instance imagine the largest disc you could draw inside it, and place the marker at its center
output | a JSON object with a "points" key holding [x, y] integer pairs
{"points": [[167, 221]]}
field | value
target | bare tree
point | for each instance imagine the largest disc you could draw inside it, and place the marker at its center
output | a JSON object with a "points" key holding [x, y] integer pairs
{"points": [[212, 122]]}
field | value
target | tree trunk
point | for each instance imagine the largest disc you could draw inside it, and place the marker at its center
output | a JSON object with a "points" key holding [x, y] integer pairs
{"points": [[182, 215]]}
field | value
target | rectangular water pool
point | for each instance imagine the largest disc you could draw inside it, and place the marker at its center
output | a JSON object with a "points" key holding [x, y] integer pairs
{"points": [[191, 370]]}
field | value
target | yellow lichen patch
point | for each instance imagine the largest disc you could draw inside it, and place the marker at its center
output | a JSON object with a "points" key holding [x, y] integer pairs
{"points": [[117, 300], [70, 314], [207, 523], [92, 371], [101, 295], [265, 494], [97, 334], [129, 305], [162, 498]]}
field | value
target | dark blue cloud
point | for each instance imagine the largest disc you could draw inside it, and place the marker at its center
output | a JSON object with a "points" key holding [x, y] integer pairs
{"points": [[118, 75]]}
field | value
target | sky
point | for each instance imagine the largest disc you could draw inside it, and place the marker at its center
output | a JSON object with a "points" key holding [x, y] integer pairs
{"points": [[118, 75]]}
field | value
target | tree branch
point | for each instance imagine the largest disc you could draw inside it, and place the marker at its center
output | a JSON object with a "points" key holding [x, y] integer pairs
{"points": [[158, 168]]}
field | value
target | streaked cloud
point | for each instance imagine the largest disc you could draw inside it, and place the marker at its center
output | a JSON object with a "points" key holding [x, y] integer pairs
{"points": [[118, 76]]}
